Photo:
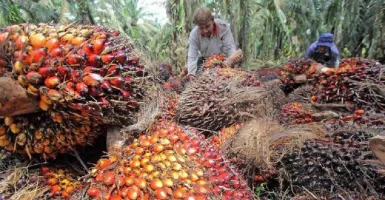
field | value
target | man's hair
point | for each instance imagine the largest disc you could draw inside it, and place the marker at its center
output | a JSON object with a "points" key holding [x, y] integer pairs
{"points": [[202, 16]]}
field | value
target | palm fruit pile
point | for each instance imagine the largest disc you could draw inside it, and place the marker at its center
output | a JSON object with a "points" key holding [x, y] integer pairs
{"points": [[224, 134], [61, 182], [167, 163], [357, 80], [220, 97], [295, 113], [24, 179], [296, 67], [214, 61], [84, 77], [335, 164]]}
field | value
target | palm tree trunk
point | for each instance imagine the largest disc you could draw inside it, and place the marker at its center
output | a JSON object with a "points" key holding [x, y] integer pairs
{"points": [[243, 37], [84, 12]]}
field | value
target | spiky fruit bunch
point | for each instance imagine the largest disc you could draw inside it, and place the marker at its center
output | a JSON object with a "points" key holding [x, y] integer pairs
{"points": [[320, 166], [295, 113], [89, 65], [299, 66], [45, 134], [167, 163], [215, 100], [224, 134], [214, 61], [357, 80], [62, 182], [84, 76]]}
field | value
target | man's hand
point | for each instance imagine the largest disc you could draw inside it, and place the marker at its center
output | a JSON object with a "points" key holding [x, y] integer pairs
{"points": [[191, 77]]}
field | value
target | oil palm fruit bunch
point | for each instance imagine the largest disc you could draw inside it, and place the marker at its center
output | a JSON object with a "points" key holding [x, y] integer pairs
{"points": [[83, 76], [296, 113], [167, 163], [214, 61], [62, 182], [218, 98], [224, 134], [295, 67], [321, 165], [45, 134], [356, 81]]}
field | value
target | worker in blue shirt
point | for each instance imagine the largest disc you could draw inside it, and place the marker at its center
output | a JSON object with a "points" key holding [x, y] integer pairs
{"points": [[324, 51]]}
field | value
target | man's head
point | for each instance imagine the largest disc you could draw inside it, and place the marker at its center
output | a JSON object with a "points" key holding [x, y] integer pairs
{"points": [[325, 41], [204, 20]]}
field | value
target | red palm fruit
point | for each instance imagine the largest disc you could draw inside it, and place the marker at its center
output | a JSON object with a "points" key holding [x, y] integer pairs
{"points": [[116, 33], [16, 55], [74, 59], [314, 98], [95, 91], [128, 80], [67, 38], [21, 41], [37, 40], [32, 90], [359, 112], [54, 95], [55, 189], [81, 88], [43, 105], [18, 67], [92, 79], [95, 60], [68, 48], [107, 58], [93, 192], [52, 82], [52, 43], [101, 35], [3, 37], [57, 53], [70, 88], [121, 56], [47, 71], [90, 69], [34, 77], [105, 102], [22, 80], [38, 54], [106, 86], [63, 71], [78, 41], [28, 59], [113, 70], [109, 178], [45, 99], [75, 75], [87, 48], [98, 45], [126, 95], [117, 81]]}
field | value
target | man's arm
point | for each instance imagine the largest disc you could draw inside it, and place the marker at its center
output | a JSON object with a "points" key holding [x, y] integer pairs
{"points": [[192, 58], [228, 43]]}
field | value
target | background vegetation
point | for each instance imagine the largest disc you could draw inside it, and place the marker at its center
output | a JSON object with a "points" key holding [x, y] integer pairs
{"points": [[268, 31]]}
